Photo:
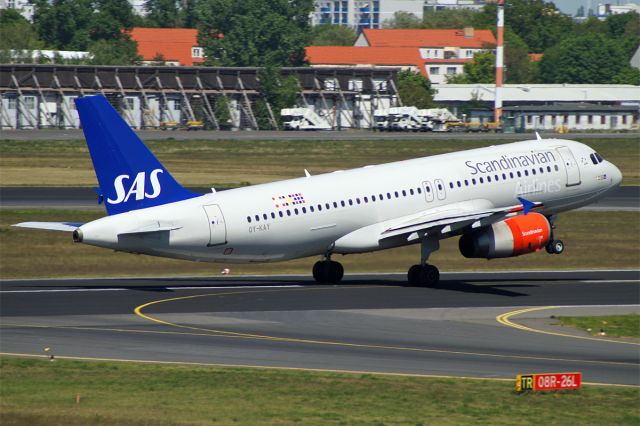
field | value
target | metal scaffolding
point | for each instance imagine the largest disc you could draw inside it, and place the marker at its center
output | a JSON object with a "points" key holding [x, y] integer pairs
{"points": [[41, 96]]}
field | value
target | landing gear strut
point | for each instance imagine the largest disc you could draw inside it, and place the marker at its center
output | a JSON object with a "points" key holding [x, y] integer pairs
{"points": [[554, 246], [425, 275], [328, 272]]}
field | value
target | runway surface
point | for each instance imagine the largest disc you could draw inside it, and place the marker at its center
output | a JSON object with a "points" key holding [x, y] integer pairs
{"points": [[492, 325], [624, 198]]}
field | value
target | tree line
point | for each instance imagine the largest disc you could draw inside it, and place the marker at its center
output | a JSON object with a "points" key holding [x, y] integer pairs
{"points": [[274, 33], [589, 52]]}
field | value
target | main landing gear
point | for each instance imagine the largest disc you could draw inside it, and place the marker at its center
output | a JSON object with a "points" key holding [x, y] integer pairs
{"points": [[554, 246], [425, 275], [328, 272]]}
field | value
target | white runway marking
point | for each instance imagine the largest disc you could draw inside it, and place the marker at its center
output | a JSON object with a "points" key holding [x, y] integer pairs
{"points": [[63, 290]]}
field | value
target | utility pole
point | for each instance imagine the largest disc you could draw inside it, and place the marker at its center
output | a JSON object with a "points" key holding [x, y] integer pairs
{"points": [[499, 61]]}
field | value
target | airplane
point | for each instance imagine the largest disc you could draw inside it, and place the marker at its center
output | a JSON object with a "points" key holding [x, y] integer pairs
{"points": [[502, 201]]}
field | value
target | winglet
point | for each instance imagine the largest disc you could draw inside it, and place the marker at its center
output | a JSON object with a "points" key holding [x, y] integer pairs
{"points": [[538, 137], [526, 204], [306, 173]]}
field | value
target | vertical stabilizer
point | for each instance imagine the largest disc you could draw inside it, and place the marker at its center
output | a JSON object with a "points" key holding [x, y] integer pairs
{"points": [[130, 176]]}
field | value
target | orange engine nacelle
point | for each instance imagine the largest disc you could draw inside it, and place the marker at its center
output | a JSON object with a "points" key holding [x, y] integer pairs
{"points": [[512, 237]]}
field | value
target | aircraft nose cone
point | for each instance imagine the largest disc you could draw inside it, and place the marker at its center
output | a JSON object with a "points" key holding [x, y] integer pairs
{"points": [[616, 175]]}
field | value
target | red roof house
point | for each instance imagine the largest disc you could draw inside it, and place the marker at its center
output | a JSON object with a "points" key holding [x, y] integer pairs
{"points": [[462, 38], [365, 56], [436, 53], [177, 46]]}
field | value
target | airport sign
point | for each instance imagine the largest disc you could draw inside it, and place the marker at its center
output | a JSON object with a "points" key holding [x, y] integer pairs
{"points": [[548, 382]]}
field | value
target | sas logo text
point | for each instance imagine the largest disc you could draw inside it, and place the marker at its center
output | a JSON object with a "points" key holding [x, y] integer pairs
{"points": [[137, 187]]}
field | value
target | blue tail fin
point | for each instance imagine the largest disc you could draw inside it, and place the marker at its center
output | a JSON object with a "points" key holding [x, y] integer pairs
{"points": [[130, 176]]}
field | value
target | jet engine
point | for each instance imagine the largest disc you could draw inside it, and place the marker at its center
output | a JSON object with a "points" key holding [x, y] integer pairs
{"points": [[511, 237]]}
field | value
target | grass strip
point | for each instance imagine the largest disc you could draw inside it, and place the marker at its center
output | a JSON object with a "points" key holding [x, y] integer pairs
{"points": [[237, 163], [25, 253], [41, 392], [613, 325]]}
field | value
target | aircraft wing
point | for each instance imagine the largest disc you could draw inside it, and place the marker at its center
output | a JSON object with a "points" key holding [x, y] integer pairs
{"points": [[453, 217], [51, 226]]}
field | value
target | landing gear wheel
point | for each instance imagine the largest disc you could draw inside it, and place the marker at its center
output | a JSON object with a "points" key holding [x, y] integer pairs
{"points": [[327, 271], [413, 276], [430, 275], [555, 247], [423, 275]]}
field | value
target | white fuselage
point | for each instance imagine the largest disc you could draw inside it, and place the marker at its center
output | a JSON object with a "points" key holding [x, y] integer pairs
{"points": [[344, 211]]}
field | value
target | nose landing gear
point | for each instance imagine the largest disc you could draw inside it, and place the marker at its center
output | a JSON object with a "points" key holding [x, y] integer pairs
{"points": [[554, 246]]}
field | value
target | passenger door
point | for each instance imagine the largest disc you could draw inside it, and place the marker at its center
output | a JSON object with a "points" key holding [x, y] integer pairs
{"points": [[570, 165], [217, 227]]}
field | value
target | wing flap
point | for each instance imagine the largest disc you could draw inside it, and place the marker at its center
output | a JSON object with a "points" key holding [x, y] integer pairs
{"points": [[454, 217]]}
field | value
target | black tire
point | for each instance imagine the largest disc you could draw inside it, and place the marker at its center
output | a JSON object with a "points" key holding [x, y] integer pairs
{"points": [[336, 272], [555, 247], [429, 276], [558, 246], [327, 272], [318, 272], [413, 276]]}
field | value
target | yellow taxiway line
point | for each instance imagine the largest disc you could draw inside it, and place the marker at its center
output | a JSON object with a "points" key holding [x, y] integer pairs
{"points": [[216, 332], [505, 319]]}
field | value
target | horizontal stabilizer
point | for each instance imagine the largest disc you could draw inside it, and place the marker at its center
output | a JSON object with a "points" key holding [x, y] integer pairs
{"points": [[51, 226], [155, 227]]}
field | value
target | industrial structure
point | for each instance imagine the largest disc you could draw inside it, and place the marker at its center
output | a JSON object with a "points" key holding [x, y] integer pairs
{"points": [[41, 96]]}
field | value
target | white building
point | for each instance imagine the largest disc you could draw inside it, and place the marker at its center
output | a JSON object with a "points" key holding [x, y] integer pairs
{"points": [[442, 52], [551, 106], [454, 4], [572, 117], [43, 56], [607, 9], [362, 14], [25, 7]]}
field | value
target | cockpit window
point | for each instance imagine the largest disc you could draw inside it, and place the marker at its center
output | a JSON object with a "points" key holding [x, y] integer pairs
{"points": [[596, 158]]}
